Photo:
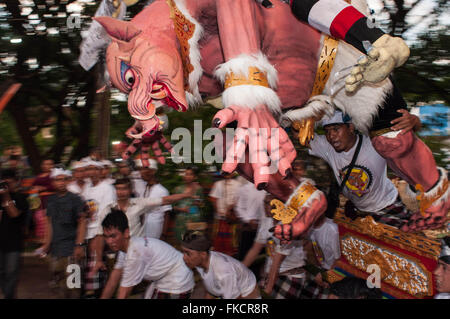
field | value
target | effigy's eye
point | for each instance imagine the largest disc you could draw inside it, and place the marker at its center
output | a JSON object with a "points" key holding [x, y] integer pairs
{"points": [[129, 77], [127, 74]]}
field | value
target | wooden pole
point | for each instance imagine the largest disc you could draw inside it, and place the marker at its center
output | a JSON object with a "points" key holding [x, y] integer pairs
{"points": [[8, 95]]}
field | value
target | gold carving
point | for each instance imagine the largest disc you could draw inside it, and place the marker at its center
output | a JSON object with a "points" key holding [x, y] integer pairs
{"points": [[326, 62], [426, 201], [305, 130], [281, 212], [255, 77], [414, 242], [398, 270], [286, 213], [184, 29], [302, 194]]}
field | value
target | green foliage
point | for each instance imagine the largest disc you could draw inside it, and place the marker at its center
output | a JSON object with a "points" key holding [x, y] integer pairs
{"points": [[8, 132]]}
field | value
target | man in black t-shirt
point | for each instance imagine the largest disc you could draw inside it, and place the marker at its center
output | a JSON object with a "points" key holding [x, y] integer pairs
{"points": [[13, 210], [66, 224]]}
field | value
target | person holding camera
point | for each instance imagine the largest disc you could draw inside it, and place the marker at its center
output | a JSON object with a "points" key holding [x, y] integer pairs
{"points": [[13, 210]]}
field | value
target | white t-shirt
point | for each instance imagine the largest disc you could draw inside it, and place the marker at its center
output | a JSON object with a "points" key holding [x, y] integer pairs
{"points": [[250, 203], [227, 277], [225, 192], [97, 197], [327, 237], [154, 260], [295, 255], [109, 180], [73, 187], [154, 218], [367, 187], [135, 214], [137, 182]]}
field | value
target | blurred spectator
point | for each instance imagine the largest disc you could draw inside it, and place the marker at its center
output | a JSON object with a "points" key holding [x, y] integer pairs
{"points": [[223, 197], [98, 195], [106, 172], [249, 209], [66, 225], [188, 211], [299, 171], [79, 179], [125, 169], [156, 218], [43, 184], [13, 210]]}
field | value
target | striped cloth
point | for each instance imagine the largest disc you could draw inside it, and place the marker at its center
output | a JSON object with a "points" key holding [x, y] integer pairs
{"points": [[338, 19]]}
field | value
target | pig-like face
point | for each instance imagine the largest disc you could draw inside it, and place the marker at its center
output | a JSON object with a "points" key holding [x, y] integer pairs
{"points": [[148, 70]]}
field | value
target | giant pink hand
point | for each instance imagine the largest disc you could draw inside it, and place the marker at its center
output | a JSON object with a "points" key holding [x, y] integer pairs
{"points": [[267, 147], [282, 187], [435, 217], [304, 220]]}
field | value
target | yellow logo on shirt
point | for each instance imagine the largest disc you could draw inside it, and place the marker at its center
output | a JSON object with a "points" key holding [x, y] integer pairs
{"points": [[359, 181]]}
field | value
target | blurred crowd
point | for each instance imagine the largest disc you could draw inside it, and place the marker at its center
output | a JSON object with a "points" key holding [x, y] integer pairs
{"points": [[65, 216]]}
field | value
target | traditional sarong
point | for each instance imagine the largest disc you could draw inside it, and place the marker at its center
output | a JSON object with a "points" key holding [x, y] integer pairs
{"points": [[287, 287], [393, 215], [93, 282], [225, 237]]}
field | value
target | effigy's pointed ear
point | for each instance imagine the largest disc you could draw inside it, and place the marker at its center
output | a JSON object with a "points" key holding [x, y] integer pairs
{"points": [[122, 32]]}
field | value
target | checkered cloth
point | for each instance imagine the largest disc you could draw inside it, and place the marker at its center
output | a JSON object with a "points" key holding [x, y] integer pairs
{"points": [[96, 281], [287, 287], [394, 215], [164, 295], [311, 290], [225, 235]]}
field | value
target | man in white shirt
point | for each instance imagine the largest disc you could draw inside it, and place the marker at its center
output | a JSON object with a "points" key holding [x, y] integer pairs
{"points": [[368, 188], [135, 210], [156, 218], [442, 271], [97, 196], [79, 182], [223, 196], [283, 269], [325, 237], [223, 276], [106, 171], [249, 209], [147, 259]]}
